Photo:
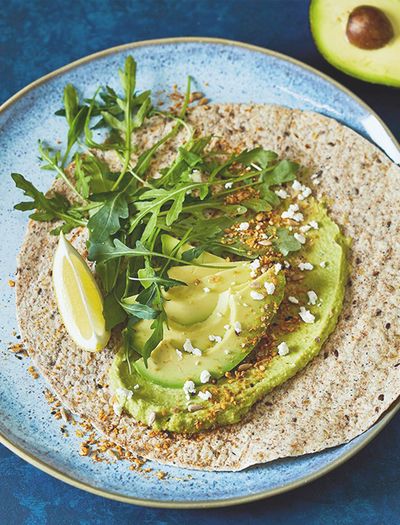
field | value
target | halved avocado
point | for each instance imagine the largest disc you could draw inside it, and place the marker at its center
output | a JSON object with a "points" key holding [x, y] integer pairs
{"points": [[347, 33]]}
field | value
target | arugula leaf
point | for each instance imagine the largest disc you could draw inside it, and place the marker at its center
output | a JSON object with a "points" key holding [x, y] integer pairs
{"points": [[135, 309], [47, 209], [71, 103], [156, 337], [286, 243], [257, 205], [106, 221], [259, 156], [283, 171]]}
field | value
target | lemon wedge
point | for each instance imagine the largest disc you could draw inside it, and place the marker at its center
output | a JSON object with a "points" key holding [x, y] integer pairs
{"points": [[79, 299]]}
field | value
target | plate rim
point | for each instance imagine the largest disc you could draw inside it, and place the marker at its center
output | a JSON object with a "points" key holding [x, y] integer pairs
{"points": [[157, 503]]}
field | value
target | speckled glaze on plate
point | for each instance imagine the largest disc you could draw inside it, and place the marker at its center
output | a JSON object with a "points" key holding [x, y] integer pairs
{"points": [[227, 72]]}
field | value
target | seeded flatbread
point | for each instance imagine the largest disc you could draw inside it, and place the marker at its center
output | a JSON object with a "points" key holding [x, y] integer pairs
{"points": [[343, 391]]}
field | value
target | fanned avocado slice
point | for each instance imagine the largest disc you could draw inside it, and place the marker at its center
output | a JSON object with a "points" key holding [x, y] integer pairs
{"points": [[228, 334]]}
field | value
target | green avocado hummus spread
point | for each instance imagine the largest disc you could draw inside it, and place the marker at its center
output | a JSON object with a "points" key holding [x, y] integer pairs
{"points": [[239, 328]]}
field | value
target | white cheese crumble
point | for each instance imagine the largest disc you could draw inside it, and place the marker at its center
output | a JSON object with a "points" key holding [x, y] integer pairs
{"points": [[283, 348], [297, 185], [205, 376], [254, 265], [136, 387], [290, 213], [243, 226], [179, 354], [227, 326], [293, 300], [190, 349], [305, 228], [314, 225], [205, 395], [277, 268], [305, 192], [151, 418], [306, 315], [196, 176], [322, 264], [270, 287], [312, 297], [306, 266], [237, 327], [189, 388], [206, 289], [215, 338], [256, 295], [283, 194], [228, 185], [286, 264], [299, 237]]}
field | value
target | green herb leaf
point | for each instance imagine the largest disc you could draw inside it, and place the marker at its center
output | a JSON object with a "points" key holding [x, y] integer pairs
{"points": [[106, 221], [286, 243], [156, 337], [71, 103]]}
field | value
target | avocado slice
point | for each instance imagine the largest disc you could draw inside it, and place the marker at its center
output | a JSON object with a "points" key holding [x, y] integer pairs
{"points": [[230, 332], [329, 20]]}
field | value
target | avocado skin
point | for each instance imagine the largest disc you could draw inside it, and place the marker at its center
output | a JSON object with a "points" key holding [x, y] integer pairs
{"points": [[352, 65]]}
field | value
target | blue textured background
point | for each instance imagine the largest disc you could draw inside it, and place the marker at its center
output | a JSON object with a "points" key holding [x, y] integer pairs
{"points": [[39, 36]]}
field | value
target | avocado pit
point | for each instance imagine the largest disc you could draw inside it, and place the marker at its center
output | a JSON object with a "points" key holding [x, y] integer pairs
{"points": [[369, 28]]}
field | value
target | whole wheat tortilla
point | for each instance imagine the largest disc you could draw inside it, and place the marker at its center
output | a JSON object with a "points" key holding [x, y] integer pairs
{"points": [[343, 391]]}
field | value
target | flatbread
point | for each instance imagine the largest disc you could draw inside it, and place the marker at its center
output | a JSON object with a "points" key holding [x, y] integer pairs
{"points": [[343, 391]]}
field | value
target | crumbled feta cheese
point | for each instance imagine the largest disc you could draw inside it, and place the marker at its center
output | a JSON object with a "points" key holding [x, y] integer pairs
{"points": [[179, 354], [298, 217], [228, 185], [293, 300], [283, 349], [206, 289], [243, 226], [205, 395], [227, 326], [299, 237], [253, 274], [256, 295], [322, 264], [136, 387], [270, 287], [189, 388], [123, 393], [289, 213], [151, 418], [306, 315], [277, 268], [306, 266], [297, 186], [283, 194], [237, 327], [205, 376], [314, 225], [305, 228], [189, 348], [254, 265], [215, 338], [286, 264], [312, 297], [196, 176], [305, 192]]}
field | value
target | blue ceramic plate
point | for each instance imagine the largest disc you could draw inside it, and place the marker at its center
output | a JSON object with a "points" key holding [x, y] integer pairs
{"points": [[227, 72]]}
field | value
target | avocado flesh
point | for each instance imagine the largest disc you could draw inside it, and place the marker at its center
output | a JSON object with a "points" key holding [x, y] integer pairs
{"points": [[326, 245], [232, 304], [328, 19]]}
